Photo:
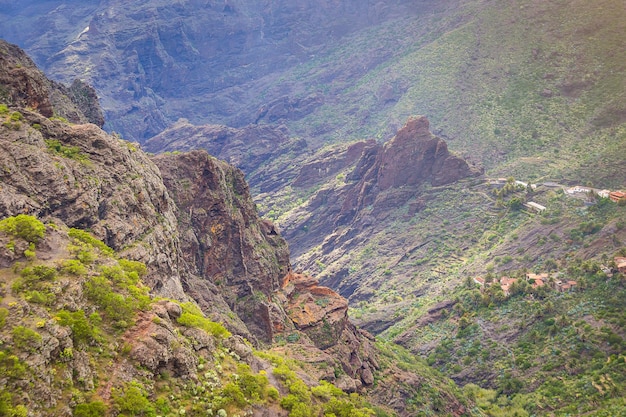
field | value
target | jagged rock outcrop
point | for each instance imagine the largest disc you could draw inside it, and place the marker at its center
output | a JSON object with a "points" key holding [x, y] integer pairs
{"points": [[327, 164], [413, 157], [380, 181], [319, 312], [322, 315], [246, 261], [224, 240], [188, 216], [23, 84]]}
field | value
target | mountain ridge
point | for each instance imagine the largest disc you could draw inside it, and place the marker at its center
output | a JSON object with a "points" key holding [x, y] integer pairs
{"points": [[122, 314]]}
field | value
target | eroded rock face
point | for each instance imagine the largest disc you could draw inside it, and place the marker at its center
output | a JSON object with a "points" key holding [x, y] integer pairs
{"points": [[105, 185], [318, 311], [322, 315], [224, 240], [413, 157], [23, 84]]}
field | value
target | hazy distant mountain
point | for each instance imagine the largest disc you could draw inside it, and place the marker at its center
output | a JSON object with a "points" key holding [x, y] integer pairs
{"points": [[156, 61]]}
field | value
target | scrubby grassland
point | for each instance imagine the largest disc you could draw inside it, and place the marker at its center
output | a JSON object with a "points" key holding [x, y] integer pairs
{"points": [[539, 352], [74, 317], [542, 351], [528, 89]]}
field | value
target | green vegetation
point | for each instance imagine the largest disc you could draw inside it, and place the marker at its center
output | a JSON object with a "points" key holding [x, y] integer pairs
{"points": [[102, 296], [26, 339], [70, 152], [192, 316], [59, 119], [324, 399], [118, 294], [3, 316], [91, 409], [132, 400], [14, 120], [84, 330], [37, 283], [87, 238], [539, 351], [24, 227]]}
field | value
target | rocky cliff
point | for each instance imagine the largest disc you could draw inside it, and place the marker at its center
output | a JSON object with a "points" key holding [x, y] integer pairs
{"points": [[223, 241], [23, 84], [188, 217]]}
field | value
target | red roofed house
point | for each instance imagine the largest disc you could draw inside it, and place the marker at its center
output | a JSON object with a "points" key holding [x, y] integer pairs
{"points": [[617, 196], [505, 284], [565, 286], [538, 280]]}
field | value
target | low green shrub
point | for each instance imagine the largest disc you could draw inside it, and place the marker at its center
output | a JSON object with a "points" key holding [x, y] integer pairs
{"points": [[91, 409], [35, 278], [40, 297], [7, 407], [192, 317], [25, 338], [116, 307], [87, 238], [133, 401], [84, 330], [10, 366], [70, 152], [73, 267], [25, 227]]}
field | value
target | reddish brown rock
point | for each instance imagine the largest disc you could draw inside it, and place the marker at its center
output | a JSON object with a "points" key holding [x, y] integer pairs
{"points": [[318, 311], [413, 157], [229, 248], [322, 315]]}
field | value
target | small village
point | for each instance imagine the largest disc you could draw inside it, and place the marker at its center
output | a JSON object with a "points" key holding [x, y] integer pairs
{"points": [[587, 194], [554, 281]]}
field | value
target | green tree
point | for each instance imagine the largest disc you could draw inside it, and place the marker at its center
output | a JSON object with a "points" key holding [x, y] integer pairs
{"points": [[516, 203], [92, 409], [133, 402]]}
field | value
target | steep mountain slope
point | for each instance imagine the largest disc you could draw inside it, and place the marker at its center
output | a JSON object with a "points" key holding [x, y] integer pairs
{"points": [[532, 89], [84, 326], [150, 60], [24, 85], [529, 89]]}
